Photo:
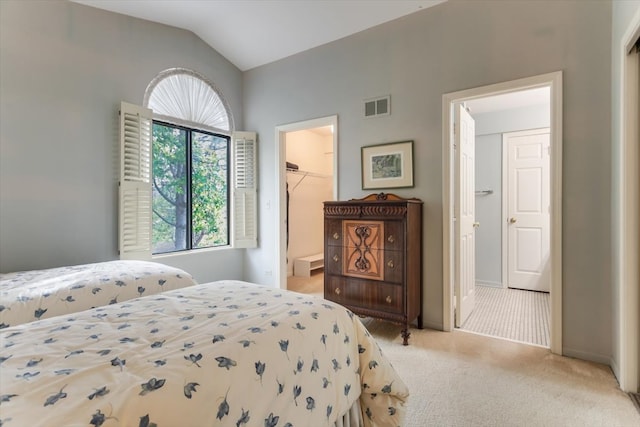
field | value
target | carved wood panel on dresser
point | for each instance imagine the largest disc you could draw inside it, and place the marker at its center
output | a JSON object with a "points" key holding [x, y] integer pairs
{"points": [[373, 257]]}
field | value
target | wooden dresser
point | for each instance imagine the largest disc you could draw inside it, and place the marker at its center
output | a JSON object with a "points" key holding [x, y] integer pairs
{"points": [[373, 257]]}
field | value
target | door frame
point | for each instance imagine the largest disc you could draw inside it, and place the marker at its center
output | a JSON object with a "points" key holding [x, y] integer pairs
{"points": [[505, 199], [628, 231], [281, 185], [554, 82]]}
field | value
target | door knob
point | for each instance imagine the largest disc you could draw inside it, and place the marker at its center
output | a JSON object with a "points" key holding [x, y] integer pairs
{"points": [[512, 220], [476, 224]]}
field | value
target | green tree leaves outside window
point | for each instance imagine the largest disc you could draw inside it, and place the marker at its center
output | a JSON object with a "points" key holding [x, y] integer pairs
{"points": [[190, 194]]}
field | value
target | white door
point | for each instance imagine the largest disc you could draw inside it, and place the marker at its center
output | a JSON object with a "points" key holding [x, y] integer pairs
{"points": [[528, 210], [465, 207]]}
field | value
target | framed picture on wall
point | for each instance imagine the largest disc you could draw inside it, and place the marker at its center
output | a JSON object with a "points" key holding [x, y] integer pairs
{"points": [[387, 165]]}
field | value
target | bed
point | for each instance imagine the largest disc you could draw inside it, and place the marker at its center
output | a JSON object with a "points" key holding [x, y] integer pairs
{"points": [[223, 353], [27, 296]]}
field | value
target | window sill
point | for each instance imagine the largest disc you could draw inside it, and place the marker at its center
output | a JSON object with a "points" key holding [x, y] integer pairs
{"points": [[192, 252]]}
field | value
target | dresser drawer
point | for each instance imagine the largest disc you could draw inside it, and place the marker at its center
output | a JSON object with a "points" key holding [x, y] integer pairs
{"points": [[336, 288], [393, 235], [393, 266], [393, 238], [333, 260], [385, 297], [367, 294], [333, 232], [392, 263]]}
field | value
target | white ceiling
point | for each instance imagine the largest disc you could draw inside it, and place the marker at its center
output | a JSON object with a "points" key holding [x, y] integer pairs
{"points": [[250, 33]]}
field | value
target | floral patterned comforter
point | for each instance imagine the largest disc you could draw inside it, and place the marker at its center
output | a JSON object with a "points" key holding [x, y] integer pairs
{"points": [[26, 296], [226, 353]]}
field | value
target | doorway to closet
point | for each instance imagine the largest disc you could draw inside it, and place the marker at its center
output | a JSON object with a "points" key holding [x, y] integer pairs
{"points": [[308, 179]]}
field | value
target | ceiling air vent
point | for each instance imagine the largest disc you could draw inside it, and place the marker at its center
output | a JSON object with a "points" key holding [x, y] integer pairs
{"points": [[377, 106]]}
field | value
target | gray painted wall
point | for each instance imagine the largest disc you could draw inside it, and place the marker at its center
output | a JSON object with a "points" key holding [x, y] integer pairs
{"points": [[64, 68], [489, 130], [533, 117], [489, 210], [416, 59], [623, 12]]}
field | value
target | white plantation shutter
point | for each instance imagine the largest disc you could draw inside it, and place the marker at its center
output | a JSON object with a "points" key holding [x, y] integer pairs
{"points": [[135, 182], [245, 229]]}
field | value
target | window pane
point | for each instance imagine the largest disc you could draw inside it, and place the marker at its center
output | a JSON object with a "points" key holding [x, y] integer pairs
{"points": [[169, 189], [209, 190]]}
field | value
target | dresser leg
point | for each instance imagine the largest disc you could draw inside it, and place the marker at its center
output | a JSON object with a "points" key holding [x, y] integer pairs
{"points": [[405, 335]]}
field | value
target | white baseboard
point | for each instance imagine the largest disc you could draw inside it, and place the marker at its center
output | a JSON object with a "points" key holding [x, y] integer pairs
{"points": [[432, 325], [615, 369], [590, 357], [489, 283]]}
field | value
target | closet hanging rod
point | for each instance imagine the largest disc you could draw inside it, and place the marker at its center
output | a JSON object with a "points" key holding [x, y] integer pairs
{"points": [[307, 173], [304, 175]]}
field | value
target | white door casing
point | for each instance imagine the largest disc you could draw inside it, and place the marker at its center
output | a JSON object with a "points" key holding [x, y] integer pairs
{"points": [[628, 228], [527, 218], [465, 213]]}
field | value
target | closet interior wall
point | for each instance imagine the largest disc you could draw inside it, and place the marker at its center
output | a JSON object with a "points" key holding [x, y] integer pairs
{"points": [[308, 187]]}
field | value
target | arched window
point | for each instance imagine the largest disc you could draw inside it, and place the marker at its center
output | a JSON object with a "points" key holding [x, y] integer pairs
{"points": [[184, 97], [190, 167]]}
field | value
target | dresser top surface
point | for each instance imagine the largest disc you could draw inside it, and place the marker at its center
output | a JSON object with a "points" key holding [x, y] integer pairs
{"points": [[376, 198]]}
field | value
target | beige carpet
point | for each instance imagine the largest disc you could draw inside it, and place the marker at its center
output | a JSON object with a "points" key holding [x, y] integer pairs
{"points": [[462, 379], [313, 285]]}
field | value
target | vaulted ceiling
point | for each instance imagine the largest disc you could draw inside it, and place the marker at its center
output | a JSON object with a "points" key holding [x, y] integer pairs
{"points": [[250, 33]]}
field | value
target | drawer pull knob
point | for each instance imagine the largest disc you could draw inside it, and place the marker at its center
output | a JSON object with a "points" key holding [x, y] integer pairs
{"points": [[390, 263], [337, 291], [336, 258], [336, 236], [388, 299], [391, 239]]}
